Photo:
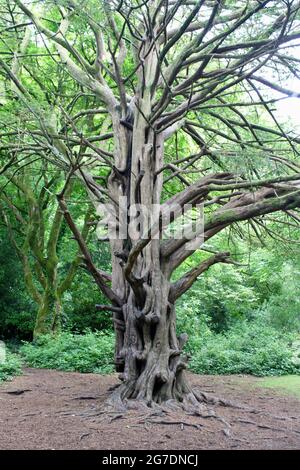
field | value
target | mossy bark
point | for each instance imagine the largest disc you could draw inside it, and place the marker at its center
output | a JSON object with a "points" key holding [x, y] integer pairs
{"points": [[48, 318]]}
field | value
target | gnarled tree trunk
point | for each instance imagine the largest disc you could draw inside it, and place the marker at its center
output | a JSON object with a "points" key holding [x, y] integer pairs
{"points": [[149, 352]]}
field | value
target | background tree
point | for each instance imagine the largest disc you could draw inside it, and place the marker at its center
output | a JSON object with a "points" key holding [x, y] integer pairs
{"points": [[184, 92], [35, 228]]}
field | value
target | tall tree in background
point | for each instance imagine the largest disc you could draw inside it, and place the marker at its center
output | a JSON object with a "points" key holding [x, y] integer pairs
{"points": [[157, 90], [34, 222]]}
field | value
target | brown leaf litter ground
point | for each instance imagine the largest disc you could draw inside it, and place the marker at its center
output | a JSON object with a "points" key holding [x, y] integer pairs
{"points": [[48, 409]]}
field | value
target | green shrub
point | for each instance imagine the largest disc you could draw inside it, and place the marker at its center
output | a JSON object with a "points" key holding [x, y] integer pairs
{"points": [[247, 348], [91, 352], [10, 368], [232, 332], [282, 310]]}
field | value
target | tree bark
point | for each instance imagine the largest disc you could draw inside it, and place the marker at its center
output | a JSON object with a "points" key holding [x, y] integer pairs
{"points": [[150, 354], [48, 318]]}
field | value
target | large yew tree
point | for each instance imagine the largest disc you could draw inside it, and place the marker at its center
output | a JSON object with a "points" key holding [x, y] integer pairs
{"points": [[147, 93]]}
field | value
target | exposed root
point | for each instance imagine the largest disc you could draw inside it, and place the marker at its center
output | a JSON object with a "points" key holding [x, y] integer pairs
{"points": [[114, 418], [264, 426], [17, 392], [213, 400], [181, 423], [169, 413], [193, 404], [85, 398]]}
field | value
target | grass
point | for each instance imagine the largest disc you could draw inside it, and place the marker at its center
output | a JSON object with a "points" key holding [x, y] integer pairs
{"points": [[289, 384]]}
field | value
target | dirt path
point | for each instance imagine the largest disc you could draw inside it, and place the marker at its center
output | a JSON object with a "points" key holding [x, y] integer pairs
{"points": [[43, 410]]}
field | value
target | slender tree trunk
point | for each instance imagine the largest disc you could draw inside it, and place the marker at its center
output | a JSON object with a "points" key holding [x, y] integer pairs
{"points": [[42, 322], [48, 318]]}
